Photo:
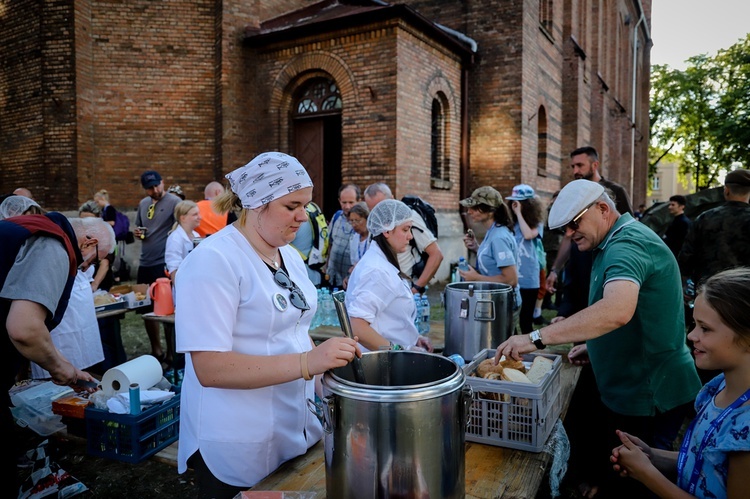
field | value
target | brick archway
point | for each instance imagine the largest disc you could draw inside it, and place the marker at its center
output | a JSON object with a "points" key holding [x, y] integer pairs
{"points": [[298, 71]]}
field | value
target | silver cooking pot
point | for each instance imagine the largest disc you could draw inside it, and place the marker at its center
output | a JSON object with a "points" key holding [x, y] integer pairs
{"points": [[478, 315], [400, 435]]}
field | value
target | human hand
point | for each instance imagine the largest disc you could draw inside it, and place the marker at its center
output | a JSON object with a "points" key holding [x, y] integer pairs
{"points": [[425, 342], [579, 355], [632, 458], [470, 275], [470, 241], [516, 207], [332, 353], [514, 347], [552, 282]]}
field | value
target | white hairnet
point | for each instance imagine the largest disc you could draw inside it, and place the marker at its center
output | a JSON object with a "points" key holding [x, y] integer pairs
{"points": [[13, 206], [387, 215]]}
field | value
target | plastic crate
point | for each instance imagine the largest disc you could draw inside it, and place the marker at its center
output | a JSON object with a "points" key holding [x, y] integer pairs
{"points": [[514, 415], [130, 438]]}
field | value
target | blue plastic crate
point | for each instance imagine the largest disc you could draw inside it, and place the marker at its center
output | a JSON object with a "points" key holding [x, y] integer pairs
{"points": [[129, 438]]}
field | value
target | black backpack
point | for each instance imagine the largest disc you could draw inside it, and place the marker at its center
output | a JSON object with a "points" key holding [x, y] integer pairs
{"points": [[427, 212]]}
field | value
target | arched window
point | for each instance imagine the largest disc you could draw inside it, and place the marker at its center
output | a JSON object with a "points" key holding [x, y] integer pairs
{"points": [[319, 95], [541, 146], [439, 151]]}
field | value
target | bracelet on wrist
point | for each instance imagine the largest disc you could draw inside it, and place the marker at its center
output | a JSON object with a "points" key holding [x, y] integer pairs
{"points": [[303, 366]]}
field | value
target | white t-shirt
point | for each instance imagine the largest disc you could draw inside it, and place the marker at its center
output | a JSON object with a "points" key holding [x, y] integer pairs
{"points": [[378, 295], [226, 297], [179, 244], [422, 238]]}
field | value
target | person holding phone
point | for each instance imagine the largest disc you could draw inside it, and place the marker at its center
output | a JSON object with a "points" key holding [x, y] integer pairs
{"points": [[497, 255]]}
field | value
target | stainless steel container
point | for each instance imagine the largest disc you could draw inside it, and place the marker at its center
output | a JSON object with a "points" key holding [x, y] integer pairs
{"points": [[400, 435], [478, 315]]}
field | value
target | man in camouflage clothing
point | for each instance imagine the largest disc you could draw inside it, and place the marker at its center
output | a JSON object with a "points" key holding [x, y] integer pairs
{"points": [[719, 238]]}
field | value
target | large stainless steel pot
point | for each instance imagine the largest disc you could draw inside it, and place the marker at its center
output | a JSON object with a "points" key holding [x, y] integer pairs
{"points": [[400, 435], [478, 315]]}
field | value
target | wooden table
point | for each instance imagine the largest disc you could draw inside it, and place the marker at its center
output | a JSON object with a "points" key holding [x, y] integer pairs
{"points": [[491, 472]]}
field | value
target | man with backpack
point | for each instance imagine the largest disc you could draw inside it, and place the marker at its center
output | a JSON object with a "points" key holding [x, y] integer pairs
{"points": [[339, 232], [311, 243], [422, 259]]}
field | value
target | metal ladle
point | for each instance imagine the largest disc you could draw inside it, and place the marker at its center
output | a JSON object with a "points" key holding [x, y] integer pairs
{"points": [[346, 326]]}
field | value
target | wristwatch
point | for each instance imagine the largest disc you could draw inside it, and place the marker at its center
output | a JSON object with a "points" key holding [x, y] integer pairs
{"points": [[536, 339], [420, 289]]}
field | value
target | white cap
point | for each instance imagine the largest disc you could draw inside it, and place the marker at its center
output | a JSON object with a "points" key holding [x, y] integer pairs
{"points": [[387, 215], [13, 206], [572, 200]]}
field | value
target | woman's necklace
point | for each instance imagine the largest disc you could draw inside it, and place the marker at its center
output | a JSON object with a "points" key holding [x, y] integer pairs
{"points": [[273, 261]]}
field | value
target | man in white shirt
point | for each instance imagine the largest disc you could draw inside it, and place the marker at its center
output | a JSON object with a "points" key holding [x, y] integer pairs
{"points": [[424, 241]]}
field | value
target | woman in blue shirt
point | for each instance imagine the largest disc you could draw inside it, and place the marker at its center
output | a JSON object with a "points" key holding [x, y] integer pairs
{"points": [[497, 256], [527, 216]]}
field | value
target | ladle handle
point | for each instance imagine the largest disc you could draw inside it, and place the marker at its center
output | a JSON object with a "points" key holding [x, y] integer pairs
{"points": [[346, 324]]}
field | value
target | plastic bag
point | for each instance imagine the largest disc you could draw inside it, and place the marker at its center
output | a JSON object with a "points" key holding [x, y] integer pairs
{"points": [[558, 446], [47, 479]]}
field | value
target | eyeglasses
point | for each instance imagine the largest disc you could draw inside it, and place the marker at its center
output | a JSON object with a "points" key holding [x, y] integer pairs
{"points": [[357, 221], [575, 223], [296, 296], [151, 209]]}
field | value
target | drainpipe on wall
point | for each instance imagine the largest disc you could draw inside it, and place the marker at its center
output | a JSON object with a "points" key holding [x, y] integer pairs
{"points": [[641, 19]]}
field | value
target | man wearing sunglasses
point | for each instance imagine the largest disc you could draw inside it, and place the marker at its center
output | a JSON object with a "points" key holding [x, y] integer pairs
{"points": [[633, 328], [153, 221]]}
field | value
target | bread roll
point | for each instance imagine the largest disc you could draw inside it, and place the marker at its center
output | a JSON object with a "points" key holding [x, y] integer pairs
{"points": [[486, 366], [539, 369], [515, 375]]}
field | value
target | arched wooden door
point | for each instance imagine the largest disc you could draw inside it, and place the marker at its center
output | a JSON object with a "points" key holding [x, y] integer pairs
{"points": [[317, 139]]}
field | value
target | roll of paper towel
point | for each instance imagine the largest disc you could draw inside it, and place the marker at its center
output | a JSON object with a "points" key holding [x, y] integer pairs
{"points": [[144, 370]]}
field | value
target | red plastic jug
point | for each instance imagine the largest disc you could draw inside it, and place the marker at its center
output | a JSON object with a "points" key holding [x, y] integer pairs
{"points": [[161, 294]]}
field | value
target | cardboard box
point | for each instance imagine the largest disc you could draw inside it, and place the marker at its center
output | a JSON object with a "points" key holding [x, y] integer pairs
{"points": [[128, 291]]}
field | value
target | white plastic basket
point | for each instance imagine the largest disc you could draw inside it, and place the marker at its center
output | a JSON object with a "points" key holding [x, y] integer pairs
{"points": [[514, 415]]}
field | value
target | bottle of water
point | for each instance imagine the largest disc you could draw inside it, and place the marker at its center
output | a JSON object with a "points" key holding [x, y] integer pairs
{"points": [[424, 324], [418, 305], [325, 317], [334, 315], [463, 266]]}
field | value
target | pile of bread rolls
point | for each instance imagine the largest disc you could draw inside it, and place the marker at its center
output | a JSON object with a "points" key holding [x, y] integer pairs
{"points": [[515, 370]]}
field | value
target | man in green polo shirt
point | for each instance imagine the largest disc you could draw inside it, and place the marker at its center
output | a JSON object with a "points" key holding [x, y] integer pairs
{"points": [[634, 327]]}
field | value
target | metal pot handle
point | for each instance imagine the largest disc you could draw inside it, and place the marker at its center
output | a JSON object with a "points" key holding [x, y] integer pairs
{"points": [[324, 410], [467, 393]]}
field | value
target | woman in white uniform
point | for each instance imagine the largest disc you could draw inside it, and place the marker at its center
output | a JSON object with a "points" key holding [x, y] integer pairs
{"points": [[379, 298], [245, 306]]}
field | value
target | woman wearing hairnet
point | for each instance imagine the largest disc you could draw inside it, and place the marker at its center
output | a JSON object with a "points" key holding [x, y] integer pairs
{"points": [[244, 307], [379, 298]]}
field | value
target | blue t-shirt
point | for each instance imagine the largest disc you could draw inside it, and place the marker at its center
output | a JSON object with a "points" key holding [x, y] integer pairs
{"points": [[528, 262], [498, 249], [732, 435]]}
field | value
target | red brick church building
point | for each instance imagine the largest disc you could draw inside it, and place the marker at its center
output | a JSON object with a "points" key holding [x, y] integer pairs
{"points": [[433, 97]]}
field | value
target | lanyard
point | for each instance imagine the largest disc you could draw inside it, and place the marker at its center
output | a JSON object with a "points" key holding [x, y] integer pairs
{"points": [[362, 247], [685, 446]]}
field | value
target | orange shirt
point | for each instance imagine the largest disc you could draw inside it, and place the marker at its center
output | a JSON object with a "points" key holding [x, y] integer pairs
{"points": [[211, 222]]}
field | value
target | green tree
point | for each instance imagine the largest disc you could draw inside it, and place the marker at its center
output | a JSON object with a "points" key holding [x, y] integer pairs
{"points": [[699, 116]]}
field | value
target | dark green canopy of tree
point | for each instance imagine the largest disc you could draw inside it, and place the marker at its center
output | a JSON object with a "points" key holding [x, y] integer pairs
{"points": [[700, 117]]}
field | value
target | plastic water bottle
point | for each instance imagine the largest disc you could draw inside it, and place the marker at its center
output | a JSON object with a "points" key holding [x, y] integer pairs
{"points": [[463, 266], [457, 359], [334, 314], [418, 317], [424, 325]]}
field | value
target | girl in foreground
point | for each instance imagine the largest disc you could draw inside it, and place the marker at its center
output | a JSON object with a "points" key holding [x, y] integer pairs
{"points": [[714, 458]]}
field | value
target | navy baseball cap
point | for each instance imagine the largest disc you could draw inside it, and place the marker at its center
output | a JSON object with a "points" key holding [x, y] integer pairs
{"points": [[150, 178]]}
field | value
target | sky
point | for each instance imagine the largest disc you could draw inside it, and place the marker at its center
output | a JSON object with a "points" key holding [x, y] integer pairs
{"points": [[684, 28]]}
